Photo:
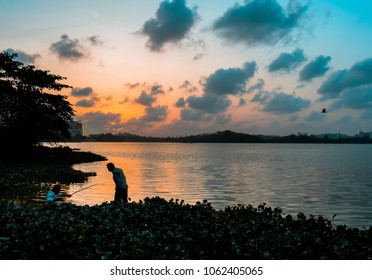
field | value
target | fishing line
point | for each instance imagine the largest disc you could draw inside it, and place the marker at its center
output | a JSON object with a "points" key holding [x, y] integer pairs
{"points": [[86, 188]]}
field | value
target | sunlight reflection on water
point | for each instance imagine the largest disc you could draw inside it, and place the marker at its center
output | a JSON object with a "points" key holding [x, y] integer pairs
{"points": [[309, 178]]}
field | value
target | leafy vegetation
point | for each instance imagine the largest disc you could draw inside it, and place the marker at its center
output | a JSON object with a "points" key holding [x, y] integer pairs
{"points": [[159, 229], [29, 174], [29, 115]]}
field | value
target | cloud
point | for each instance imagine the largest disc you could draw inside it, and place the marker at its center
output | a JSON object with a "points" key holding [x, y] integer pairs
{"points": [[258, 86], [134, 125], [188, 87], [24, 57], [156, 89], [209, 103], [155, 114], [242, 102], [99, 122], [344, 120], [145, 99], [85, 103], [133, 86], [230, 81], [359, 98], [191, 115], [79, 92], [198, 56], [223, 119], [95, 41], [315, 68], [173, 22], [287, 61], [69, 49], [280, 103], [180, 103], [367, 115], [259, 22], [359, 74], [315, 116]]}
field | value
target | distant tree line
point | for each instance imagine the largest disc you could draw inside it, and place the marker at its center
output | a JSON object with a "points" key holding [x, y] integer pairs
{"points": [[225, 136]]}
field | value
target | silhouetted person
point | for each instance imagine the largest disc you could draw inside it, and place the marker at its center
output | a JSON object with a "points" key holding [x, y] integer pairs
{"points": [[54, 194], [121, 186], [324, 110]]}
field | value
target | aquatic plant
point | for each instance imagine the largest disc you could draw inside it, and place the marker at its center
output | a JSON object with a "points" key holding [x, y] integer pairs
{"points": [[160, 229]]}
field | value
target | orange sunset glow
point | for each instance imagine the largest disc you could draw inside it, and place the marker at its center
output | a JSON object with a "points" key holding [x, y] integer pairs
{"points": [[168, 68]]}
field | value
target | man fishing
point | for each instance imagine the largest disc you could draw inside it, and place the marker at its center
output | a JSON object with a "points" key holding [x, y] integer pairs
{"points": [[121, 186]]}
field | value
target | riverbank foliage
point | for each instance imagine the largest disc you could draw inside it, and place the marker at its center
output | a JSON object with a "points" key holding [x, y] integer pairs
{"points": [[27, 174], [159, 229]]}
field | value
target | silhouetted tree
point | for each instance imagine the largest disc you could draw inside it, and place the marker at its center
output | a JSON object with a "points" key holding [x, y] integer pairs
{"points": [[29, 115]]}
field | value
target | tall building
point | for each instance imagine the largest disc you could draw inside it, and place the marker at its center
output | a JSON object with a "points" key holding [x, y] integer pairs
{"points": [[76, 129]]}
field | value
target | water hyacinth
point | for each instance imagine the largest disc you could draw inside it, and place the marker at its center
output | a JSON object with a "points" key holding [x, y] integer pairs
{"points": [[160, 229]]}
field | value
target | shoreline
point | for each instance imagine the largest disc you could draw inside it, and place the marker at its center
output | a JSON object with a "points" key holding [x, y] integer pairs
{"points": [[28, 174]]}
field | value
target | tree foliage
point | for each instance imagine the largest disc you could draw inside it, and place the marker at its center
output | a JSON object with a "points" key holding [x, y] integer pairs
{"points": [[29, 115]]}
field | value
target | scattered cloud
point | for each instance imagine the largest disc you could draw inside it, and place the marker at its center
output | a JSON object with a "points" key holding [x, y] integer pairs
{"points": [[95, 41], [209, 103], [198, 56], [24, 57], [149, 96], [172, 23], [260, 22], [87, 103], [69, 49], [79, 92], [223, 119], [145, 99], [242, 102], [192, 115], [287, 61], [280, 103], [315, 68], [358, 98], [315, 116], [345, 120], [359, 74], [230, 81], [188, 87], [367, 115], [155, 114], [258, 86], [180, 103], [99, 122]]}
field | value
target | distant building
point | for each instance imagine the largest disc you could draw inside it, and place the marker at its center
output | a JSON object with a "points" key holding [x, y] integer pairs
{"points": [[332, 136], [302, 134], [75, 129], [363, 134]]}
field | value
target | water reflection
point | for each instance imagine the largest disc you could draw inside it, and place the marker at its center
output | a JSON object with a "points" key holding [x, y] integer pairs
{"points": [[313, 179]]}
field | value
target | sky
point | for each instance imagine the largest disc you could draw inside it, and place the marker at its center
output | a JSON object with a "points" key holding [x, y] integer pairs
{"points": [[177, 67]]}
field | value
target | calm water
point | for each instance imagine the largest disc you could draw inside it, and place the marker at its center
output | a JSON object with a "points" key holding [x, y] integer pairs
{"points": [[309, 178]]}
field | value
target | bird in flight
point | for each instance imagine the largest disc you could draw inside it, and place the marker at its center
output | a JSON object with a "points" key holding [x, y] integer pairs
{"points": [[324, 110]]}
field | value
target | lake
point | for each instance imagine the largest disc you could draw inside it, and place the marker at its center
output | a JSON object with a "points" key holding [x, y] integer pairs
{"points": [[318, 179]]}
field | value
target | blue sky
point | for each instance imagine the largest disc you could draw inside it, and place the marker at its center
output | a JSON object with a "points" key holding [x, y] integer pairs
{"points": [[169, 68]]}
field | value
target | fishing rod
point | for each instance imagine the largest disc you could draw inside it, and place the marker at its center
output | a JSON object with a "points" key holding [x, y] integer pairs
{"points": [[86, 188]]}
